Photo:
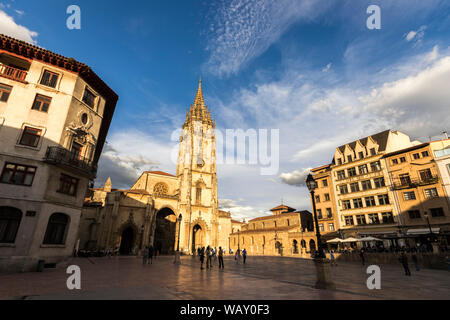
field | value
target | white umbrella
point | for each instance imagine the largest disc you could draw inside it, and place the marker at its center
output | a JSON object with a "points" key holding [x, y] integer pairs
{"points": [[370, 239], [335, 240], [350, 240]]}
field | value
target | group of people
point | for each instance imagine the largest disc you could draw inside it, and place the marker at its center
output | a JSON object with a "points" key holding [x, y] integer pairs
{"points": [[148, 254], [212, 255]]}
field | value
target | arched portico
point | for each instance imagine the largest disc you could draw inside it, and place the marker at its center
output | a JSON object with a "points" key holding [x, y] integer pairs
{"points": [[166, 224]]}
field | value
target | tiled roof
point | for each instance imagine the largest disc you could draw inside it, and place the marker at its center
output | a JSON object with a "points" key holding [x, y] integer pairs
{"points": [[282, 206], [235, 221], [162, 173], [275, 216], [380, 138], [284, 228], [406, 150]]}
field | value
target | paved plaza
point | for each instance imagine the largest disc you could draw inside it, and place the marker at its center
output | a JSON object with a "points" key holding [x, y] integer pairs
{"points": [[261, 278]]}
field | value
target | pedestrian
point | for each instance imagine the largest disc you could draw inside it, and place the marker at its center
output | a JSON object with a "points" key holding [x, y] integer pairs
{"points": [[215, 254], [332, 258], [238, 256], [220, 258], [150, 253], [208, 258], [145, 256], [363, 258], [404, 261], [202, 257], [244, 254], [415, 261]]}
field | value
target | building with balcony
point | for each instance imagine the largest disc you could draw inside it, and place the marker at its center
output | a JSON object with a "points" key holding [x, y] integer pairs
{"points": [[419, 191], [441, 155], [55, 113]]}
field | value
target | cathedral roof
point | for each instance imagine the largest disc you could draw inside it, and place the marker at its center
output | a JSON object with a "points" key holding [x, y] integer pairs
{"points": [[162, 173], [199, 110], [282, 206]]}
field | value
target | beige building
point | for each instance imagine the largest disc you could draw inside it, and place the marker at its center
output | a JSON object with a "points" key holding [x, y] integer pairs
{"points": [[286, 232], [147, 213], [55, 113], [441, 155]]}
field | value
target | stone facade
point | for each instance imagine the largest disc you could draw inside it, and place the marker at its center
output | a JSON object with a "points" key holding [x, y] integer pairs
{"points": [[149, 212]]}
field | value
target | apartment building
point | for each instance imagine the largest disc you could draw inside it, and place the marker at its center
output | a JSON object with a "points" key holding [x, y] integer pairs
{"points": [[325, 200], [419, 192], [364, 201], [441, 155], [55, 114]]}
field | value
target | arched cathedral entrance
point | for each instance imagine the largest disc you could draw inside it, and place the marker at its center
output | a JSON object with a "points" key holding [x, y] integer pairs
{"points": [[165, 231], [126, 241], [198, 237]]}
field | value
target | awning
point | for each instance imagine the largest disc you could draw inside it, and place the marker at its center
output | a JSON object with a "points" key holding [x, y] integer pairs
{"points": [[335, 240], [423, 231], [377, 232]]}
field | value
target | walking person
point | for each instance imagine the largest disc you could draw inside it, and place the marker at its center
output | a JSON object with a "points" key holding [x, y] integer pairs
{"points": [[404, 261], [363, 258], [415, 261], [244, 255], [150, 254], [208, 257], [238, 256], [145, 256], [332, 259], [220, 258], [202, 257]]}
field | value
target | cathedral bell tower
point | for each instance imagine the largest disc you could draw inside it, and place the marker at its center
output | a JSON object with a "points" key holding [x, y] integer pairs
{"points": [[196, 173]]}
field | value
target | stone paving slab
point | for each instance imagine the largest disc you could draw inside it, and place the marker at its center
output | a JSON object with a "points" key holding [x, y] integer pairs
{"points": [[261, 278]]}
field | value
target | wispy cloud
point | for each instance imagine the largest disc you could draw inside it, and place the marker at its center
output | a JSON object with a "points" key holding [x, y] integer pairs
{"points": [[9, 27]]}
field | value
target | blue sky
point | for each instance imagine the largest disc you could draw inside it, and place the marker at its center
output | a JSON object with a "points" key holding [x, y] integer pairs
{"points": [[309, 68]]}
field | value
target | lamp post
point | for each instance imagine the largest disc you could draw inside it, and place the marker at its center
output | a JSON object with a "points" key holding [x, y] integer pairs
{"points": [[321, 262], [428, 221], [177, 253], [239, 231]]}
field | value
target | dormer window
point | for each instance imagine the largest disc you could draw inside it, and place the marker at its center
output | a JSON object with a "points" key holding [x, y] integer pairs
{"points": [[361, 155], [349, 158], [89, 98], [339, 161], [373, 152], [49, 79]]}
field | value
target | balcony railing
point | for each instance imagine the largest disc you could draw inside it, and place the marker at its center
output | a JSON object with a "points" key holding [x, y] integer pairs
{"points": [[12, 73], [414, 183], [62, 156]]}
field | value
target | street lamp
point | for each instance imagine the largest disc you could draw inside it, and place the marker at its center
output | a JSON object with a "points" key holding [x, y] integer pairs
{"points": [[239, 231], [312, 185], [177, 253], [322, 264], [428, 221]]}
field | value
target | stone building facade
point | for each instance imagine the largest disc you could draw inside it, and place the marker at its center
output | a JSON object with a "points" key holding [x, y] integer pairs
{"points": [[150, 211], [55, 113]]}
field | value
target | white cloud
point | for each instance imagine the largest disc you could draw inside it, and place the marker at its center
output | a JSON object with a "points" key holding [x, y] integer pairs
{"points": [[20, 12], [416, 35], [327, 68], [9, 27], [295, 178]]}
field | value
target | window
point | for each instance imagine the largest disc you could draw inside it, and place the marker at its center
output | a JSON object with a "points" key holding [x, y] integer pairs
{"points": [[49, 79], [394, 161], [68, 185], [351, 172], [425, 175], [349, 158], [425, 154], [363, 169], [360, 219], [325, 183], [41, 103], [414, 214], [198, 195], [379, 182], [366, 185], [18, 174], [405, 179], [373, 152], [327, 196], [416, 156], [329, 213], [349, 221], [76, 151], [361, 154], [357, 203], [354, 187], [346, 204], [319, 213], [409, 195], [375, 166], [402, 159], [339, 161], [321, 227], [341, 174], [370, 201], [331, 226], [437, 212], [431, 193], [5, 91], [373, 218], [30, 137], [317, 199], [288, 223], [343, 189], [56, 229], [387, 217], [383, 199], [89, 98], [9, 224]]}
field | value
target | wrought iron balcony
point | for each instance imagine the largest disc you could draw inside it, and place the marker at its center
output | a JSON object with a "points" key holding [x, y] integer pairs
{"points": [[12, 73], [69, 159], [414, 183]]}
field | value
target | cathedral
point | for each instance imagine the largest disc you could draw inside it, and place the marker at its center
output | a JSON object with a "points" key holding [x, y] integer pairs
{"points": [[164, 210]]}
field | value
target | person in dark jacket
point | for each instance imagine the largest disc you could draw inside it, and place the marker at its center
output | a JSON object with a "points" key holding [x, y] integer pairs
{"points": [[415, 261], [220, 257], [202, 257], [404, 261], [150, 254], [363, 258]]}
